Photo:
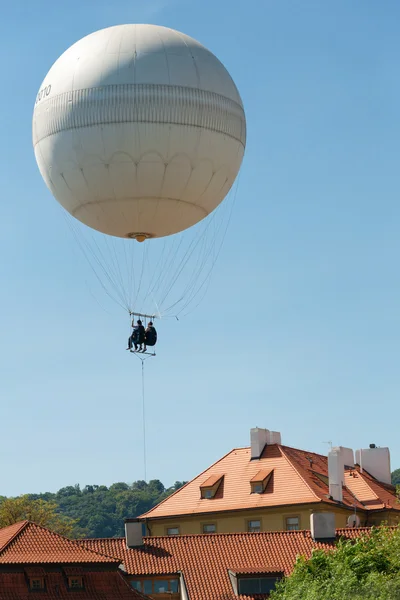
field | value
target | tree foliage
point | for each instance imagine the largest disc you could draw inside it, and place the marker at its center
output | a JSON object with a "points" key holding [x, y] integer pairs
{"points": [[93, 511], [13, 510], [363, 569], [396, 477]]}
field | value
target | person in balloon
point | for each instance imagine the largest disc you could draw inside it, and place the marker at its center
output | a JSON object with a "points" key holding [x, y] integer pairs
{"points": [[150, 336], [138, 336]]}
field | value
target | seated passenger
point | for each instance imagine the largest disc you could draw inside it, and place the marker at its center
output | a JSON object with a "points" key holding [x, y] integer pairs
{"points": [[150, 336], [137, 337]]}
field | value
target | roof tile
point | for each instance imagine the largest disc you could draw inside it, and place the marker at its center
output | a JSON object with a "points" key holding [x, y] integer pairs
{"points": [[205, 560]]}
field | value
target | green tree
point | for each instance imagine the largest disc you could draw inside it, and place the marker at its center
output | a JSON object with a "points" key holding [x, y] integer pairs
{"points": [[396, 477], [365, 569], [13, 510]]}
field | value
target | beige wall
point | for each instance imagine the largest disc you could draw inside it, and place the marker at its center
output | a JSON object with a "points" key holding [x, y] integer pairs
{"points": [[272, 519]]}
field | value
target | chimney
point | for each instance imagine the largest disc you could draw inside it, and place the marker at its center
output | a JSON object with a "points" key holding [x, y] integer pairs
{"points": [[133, 533], [338, 458], [322, 527], [259, 438], [376, 461]]}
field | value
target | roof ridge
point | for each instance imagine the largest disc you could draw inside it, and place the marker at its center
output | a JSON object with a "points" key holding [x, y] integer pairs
{"points": [[305, 451], [23, 525], [187, 483], [296, 468]]}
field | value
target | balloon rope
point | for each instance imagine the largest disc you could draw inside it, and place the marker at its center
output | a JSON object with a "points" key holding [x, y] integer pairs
{"points": [[144, 426]]}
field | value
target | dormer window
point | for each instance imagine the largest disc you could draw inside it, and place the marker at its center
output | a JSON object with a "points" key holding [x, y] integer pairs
{"points": [[36, 583], [210, 486], [75, 583], [260, 481]]}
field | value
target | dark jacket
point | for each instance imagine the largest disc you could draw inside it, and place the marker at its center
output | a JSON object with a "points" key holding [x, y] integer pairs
{"points": [[151, 336]]}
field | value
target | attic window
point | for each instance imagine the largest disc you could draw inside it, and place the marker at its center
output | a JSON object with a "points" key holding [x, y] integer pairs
{"points": [[36, 583], [210, 486], [75, 583], [260, 481]]}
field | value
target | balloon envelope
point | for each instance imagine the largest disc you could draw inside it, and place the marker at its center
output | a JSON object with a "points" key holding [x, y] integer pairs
{"points": [[139, 131]]}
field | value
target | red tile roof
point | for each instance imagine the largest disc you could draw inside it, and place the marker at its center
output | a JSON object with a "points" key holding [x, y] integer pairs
{"points": [[205, 560], [298, 477], [30, 549], [28, 543], [7, 533]]}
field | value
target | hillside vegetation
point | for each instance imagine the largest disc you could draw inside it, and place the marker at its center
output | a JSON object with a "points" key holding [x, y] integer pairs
{"points": [[94, 511]]}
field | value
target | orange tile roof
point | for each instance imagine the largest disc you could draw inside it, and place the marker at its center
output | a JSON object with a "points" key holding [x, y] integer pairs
{"points": [[298, 477], [205, 560], [356, 483], [261, 475], [28, 543]]}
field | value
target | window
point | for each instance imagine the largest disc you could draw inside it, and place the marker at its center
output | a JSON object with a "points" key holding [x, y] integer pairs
{"points": [[210, 486], [209, 528], [254, 526], [260, 481], [36, 583], [136, 585], [173, 531], [292, 523], [258, 488], [158, 588], [75, 583], [147, 586], [256, 585]]}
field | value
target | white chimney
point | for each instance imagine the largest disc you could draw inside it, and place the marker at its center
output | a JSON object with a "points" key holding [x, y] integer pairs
{"points": [[322, 527], [259, 438], [338, 458], [376, 461], [133, 533]]}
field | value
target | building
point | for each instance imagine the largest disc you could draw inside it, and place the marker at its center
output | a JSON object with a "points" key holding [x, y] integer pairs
{"points": [[35, 562], [224, 566], [272, 487]]}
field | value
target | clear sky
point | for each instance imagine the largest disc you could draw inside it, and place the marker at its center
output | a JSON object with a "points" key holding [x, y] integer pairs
{"points": [[300, 329]]}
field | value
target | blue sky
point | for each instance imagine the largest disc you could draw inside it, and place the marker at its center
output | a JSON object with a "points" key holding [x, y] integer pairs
{"points": [[300, 329]]}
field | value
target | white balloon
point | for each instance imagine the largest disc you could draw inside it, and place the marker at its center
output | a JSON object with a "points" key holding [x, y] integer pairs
{"points": [[139, 131]]}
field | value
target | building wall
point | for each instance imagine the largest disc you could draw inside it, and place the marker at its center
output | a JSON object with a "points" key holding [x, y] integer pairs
{"points": [[272, 519]]}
